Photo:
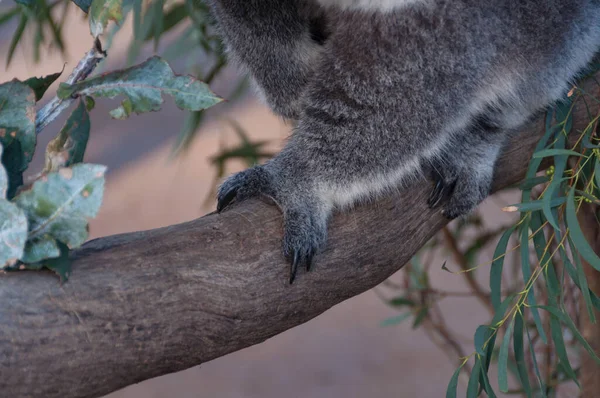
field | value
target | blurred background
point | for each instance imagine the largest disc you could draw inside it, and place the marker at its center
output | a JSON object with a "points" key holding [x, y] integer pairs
{"points": [[364, 347]]}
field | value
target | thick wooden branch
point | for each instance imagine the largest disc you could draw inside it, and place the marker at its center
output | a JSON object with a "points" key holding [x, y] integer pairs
{"points": [[149, 303]]}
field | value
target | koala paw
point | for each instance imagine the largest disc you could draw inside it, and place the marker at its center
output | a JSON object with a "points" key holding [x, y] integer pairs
{"points": [[305, 225], [243, 185], [458, 192], [305, 232]]}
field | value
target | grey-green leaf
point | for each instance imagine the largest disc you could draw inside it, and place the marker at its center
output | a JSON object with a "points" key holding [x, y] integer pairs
{"points": [[3, 177], [84, 4], [143, 86], [17, 118], [579, 239], [60, 204], [13, 233], [103, 11], [39, 85], [68, 147], [37, 250], [503, 359]]}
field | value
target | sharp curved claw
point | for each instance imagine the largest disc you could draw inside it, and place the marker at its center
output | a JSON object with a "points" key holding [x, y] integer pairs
{"points": [[294, 268], [225, 199], [309, 259], [436, 195]]}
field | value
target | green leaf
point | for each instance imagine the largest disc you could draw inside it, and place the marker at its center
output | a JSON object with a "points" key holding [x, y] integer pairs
{"points": [[560, 163], [17, 119], [580, 280], [520, 354], [83, 4], [473, 386], [421, 314], [395, 320], [61, 265], [482, 334], [13, 233], [103, 11], [37, 250], [13, 225], [39, 85], [60, 204], [581, 243], [26, 3], [503, 359], [3, 177], [555, 152], [12, 158], [16, 38], [453, 385], [526, 270], [485, 381], [536, 368], [497, 266], [560, 349], [569, 323], [68, 147], [143, 86], [534, 205], [401, 301], [549, 202], [532, 182]]}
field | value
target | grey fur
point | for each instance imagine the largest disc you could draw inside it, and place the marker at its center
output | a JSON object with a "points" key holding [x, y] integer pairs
{"points": [[430, 88]]}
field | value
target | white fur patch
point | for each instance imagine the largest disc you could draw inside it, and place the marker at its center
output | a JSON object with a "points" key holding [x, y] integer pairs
{"points": [[368, 5], [346, 195]]}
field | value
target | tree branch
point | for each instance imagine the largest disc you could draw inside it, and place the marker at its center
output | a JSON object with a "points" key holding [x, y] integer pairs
{"points": [[145, 304], [84, 68]]}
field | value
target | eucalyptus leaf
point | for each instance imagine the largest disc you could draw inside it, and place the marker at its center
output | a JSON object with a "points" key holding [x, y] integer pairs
{"points": [[68, 147], [503, 359], [555, 152], [453, 384], [83, 4], [103, 11], [13, 233], [39, 85], [3, 177], [61, 265], [17, 119], [143, 86], [579, 239], [60, 204], [519, 351], [39, 249]]}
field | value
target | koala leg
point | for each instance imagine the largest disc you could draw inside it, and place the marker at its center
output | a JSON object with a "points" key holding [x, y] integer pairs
{"points": [[462, 174], [305, 217], [278, 42]]}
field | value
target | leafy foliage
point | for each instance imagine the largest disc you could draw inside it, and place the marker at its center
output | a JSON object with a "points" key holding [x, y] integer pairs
{"points": [[101, 12], [143, 86], [42, 219]]}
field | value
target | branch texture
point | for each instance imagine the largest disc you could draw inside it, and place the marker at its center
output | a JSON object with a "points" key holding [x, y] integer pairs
{"points": [[149, 303]]}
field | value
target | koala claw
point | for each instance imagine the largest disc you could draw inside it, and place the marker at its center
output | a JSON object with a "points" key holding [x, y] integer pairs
{"points": [[441, 192], [225, 198], [298, 259]]}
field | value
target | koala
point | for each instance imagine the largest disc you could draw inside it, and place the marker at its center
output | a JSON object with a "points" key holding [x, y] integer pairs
{"points": [[387, 92]]}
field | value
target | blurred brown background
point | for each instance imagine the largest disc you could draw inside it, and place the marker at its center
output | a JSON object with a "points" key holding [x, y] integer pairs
{"points": [[342, 353]]}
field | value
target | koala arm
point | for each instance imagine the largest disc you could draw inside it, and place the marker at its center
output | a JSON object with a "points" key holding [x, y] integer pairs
{"points": [[277, 41]]}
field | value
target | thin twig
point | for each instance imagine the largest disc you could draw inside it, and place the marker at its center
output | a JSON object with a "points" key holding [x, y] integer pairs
{"points": [[460, 258], [83, 69]]}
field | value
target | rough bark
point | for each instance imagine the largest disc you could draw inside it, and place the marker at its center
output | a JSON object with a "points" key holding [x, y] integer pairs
{"points": [[149, 303]]}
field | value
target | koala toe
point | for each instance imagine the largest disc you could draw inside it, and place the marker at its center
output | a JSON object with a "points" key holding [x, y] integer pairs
{"points": [[468, 192], [305, 231], [243, 185]]}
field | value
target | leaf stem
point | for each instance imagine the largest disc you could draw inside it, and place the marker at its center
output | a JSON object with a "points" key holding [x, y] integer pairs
{"points": [[83, 69]]}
